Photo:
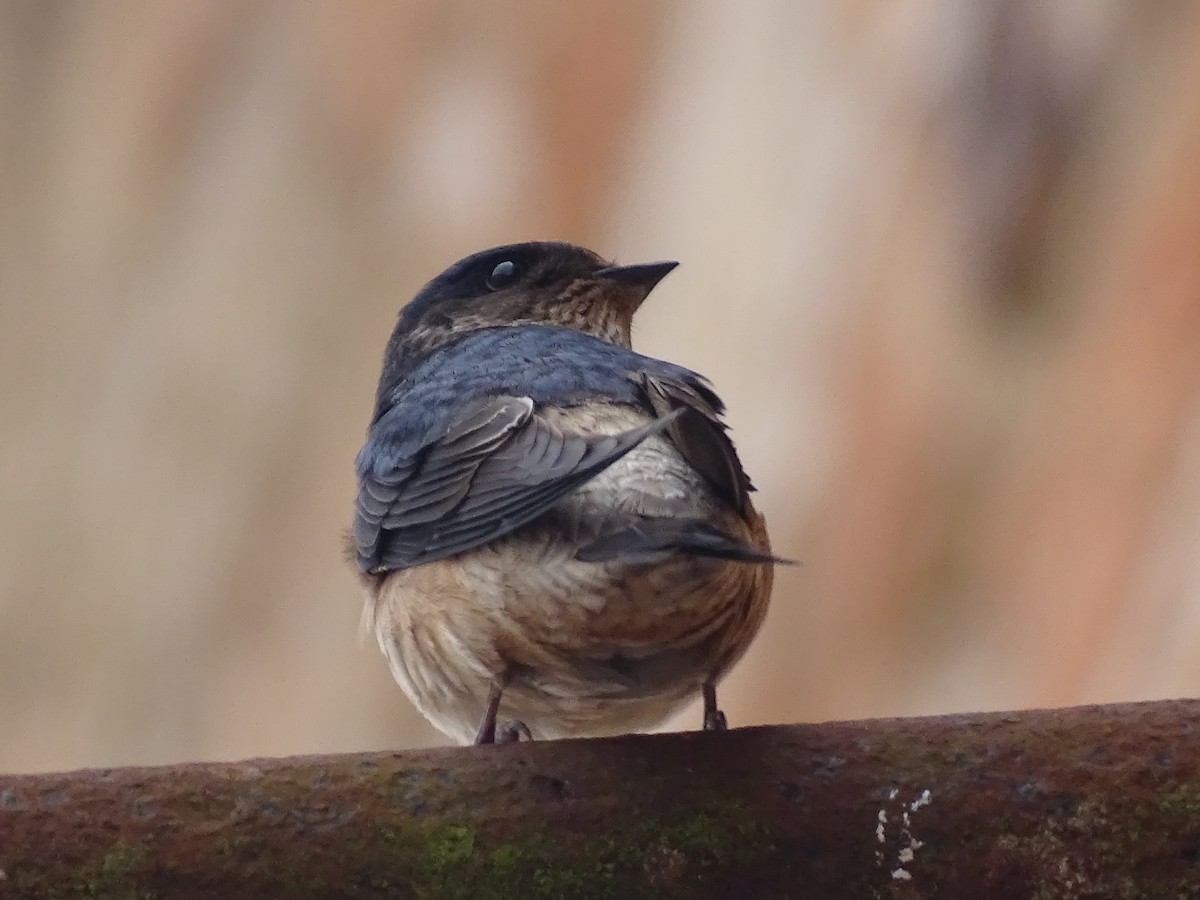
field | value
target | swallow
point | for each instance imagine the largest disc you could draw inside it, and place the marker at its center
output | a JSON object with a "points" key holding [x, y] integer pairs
{"points": [[553, 530]]}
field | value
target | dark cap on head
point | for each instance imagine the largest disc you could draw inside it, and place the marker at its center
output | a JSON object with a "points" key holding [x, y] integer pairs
{"points": [[535, 283], [543, 283]]}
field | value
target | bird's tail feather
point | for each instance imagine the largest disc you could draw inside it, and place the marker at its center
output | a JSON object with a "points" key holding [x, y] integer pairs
{"points": [[650, 539]]}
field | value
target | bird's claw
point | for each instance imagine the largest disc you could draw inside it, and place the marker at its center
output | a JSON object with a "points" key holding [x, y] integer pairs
{"points": [[714, 720], [512, 732]]}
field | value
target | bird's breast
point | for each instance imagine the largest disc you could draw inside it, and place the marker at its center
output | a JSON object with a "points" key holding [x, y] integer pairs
{"points": [[525, 608]]}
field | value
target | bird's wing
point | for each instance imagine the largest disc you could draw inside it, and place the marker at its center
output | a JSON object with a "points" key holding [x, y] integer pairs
{"points": [[698, 432], [498, 465]]}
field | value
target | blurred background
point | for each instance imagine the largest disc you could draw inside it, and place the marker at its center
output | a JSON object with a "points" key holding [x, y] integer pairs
{"points": [[942, 260]]}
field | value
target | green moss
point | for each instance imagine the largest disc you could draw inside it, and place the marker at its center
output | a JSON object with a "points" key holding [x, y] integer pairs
{"points": [[647, 858], [644, 860], [1096, 850], [1183, 802], [657, 857], [448, 848], [109, 876], [506, 858]]}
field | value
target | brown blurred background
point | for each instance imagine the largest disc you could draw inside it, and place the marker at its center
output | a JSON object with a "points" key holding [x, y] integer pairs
{"points": [[942, 259]]}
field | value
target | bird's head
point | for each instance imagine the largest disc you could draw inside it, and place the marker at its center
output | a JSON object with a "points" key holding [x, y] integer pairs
{"points": [[537, 283]]}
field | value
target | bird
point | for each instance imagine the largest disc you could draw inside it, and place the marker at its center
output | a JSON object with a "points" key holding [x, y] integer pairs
{"points": [[554, 532]]}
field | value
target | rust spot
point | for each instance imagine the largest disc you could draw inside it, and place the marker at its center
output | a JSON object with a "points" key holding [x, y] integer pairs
{"points": [[665, 866], [11, 800], [52, 798], [551, 787]]}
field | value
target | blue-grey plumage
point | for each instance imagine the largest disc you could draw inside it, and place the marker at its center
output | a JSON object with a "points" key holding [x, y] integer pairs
{"points": [[551, 527]]}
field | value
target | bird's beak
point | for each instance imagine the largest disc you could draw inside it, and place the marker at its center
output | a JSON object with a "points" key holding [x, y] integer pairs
{"points": [[634, 283], [642, 275]]}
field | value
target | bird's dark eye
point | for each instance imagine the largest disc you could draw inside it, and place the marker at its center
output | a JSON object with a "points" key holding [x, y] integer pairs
{"points": [[502, 276]]}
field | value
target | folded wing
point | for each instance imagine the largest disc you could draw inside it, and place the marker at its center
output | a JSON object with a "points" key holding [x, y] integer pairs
{"points": [[498, 465], [698, 433]]}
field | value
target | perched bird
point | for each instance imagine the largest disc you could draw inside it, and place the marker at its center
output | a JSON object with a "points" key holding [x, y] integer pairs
{"points": [[551, 528]]}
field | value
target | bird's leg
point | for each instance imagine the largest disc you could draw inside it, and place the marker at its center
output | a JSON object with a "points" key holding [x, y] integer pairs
{"points": [[487, 727], [714, 719]]}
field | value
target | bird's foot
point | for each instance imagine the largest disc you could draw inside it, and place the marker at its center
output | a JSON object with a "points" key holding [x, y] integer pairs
{"points": [[512, 732], [487, 727], [486, 734], [714, 719]]}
